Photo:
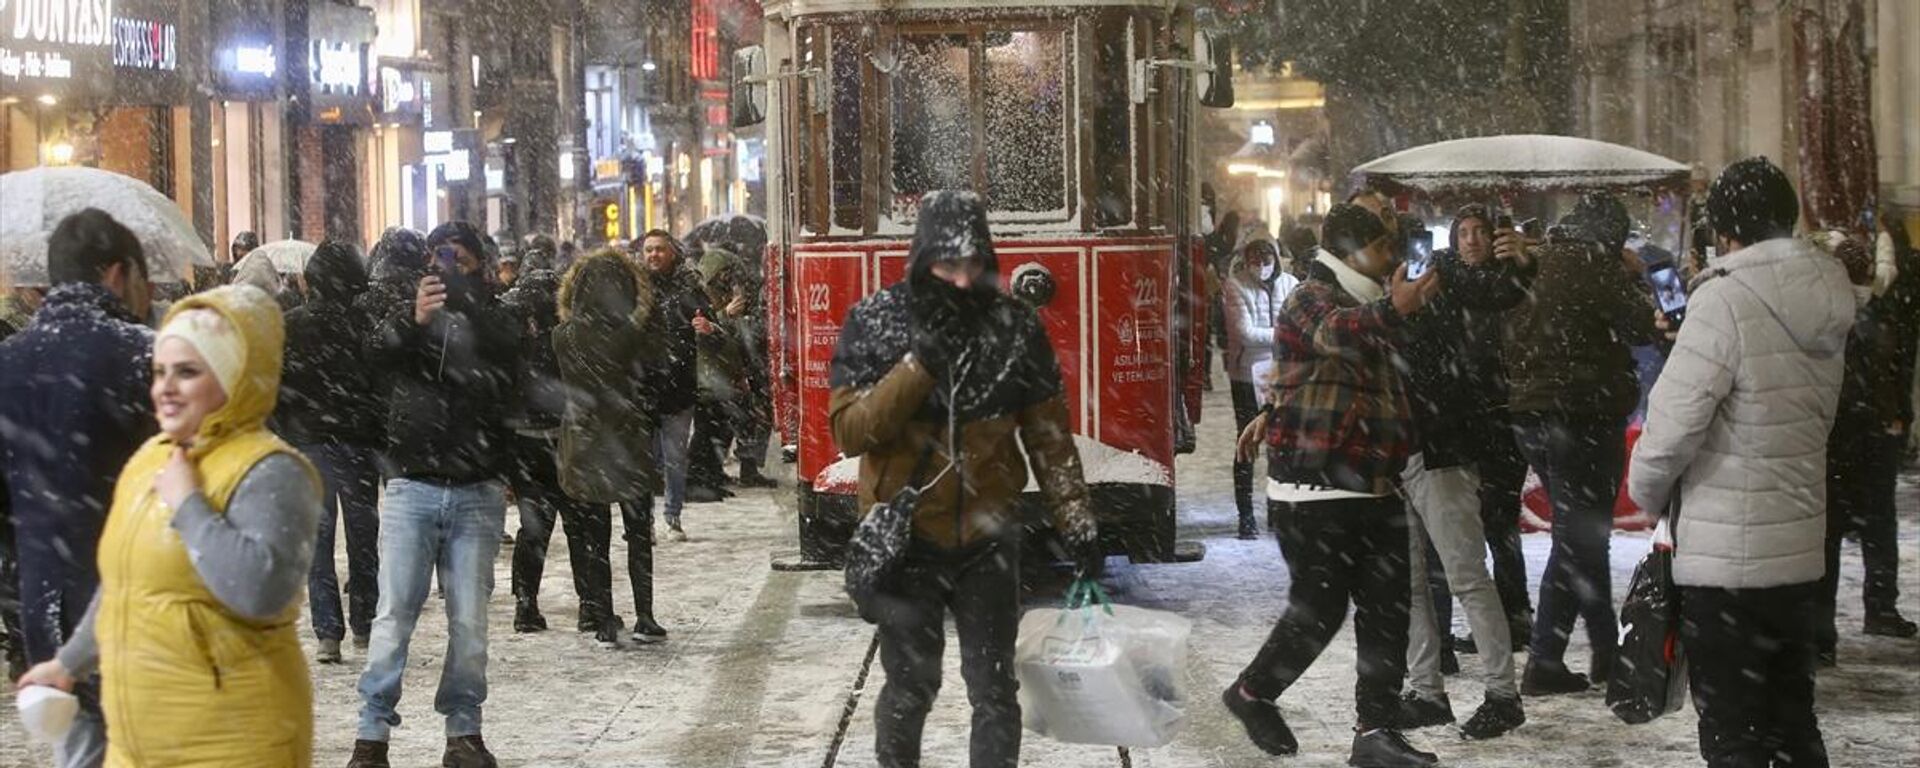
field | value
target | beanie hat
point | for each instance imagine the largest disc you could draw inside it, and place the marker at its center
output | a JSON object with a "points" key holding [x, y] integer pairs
{"points": [[1468, 211], [462, 234], [1350, 228], [1600, 217], [1751, 201], [214, 338]]}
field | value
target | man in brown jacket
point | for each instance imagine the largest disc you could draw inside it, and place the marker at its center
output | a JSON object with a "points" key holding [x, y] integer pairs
{"points": [[933, 380]]}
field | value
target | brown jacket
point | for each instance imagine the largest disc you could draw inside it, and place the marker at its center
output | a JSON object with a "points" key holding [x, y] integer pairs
{"points": [[878, 425]]}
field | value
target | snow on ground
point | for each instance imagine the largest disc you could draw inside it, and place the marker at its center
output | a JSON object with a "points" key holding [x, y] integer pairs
{"points": [[762, 664]]}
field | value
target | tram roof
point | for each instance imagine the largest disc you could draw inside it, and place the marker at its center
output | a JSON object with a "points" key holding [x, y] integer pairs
{"points": [[797, 8]]}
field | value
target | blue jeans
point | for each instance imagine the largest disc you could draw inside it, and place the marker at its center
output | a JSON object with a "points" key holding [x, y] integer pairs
{"points": [[671, 441], [1579, 458], [425, 528], [353, 489]]}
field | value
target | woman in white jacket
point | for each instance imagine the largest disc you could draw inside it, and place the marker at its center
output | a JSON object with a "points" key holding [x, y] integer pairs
{"points": [[1251, 297]]}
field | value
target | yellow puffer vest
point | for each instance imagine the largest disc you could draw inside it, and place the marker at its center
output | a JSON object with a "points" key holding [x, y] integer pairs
{"points": [[185, 681]]}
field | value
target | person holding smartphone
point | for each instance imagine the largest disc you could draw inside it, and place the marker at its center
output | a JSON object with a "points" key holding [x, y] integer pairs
{"points": [[453, 353]]}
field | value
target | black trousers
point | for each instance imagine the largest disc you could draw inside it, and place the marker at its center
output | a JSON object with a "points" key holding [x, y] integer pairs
{"points": [[1580, 458], [1750, 659], [980, 586], [1863, 466], [10, 635], [636, 523], [535, 479], [713, 430], [1340, 552], [1246, 405]]}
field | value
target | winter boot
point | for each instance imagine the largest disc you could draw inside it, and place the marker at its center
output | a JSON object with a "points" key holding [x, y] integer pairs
{"points": [[1263, 722], [526, 616], [750, 477], [1386, 748], [1417, 711], [1890, 624], [640, 572], [1495, 717], [1547, 678], [329, 652], [368, 754], [467, 752]]}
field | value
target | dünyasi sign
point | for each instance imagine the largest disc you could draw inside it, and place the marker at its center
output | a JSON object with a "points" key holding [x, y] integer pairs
{"points": [[46, 41], [93, 50]]}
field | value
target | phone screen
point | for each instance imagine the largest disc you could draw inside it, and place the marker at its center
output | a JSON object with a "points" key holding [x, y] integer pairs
{"points": [[446, 264], [1669, 291], [1419, 255]]}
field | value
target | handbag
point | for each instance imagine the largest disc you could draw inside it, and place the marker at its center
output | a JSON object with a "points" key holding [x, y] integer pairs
{"points": [[880, 542], [1650, 670]]}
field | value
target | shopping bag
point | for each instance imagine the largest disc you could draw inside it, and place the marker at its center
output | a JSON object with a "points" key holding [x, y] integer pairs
{"points": [[1098, 673], [1650, 668]]}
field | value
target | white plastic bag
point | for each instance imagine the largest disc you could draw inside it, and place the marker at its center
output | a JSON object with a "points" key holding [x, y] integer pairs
{"points": [[46, 713], [1112, 675]]}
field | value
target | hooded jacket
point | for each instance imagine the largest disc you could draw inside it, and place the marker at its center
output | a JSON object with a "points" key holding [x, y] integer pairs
{"points": [[187, 679], [723, 354], [1568, 344], [674, 385], [450, 385], [1455, 385], [905, 425], [606, 345], [328, 392], [1249, 306], [1737, 425], [540, 397]]}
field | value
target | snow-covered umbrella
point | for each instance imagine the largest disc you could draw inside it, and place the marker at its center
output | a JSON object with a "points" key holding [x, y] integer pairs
{"points": [[1525, 163], [289, 257], [37, 199]]}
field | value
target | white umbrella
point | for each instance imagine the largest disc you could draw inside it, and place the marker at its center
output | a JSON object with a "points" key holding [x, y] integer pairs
{"points": [[289, 257], [1523, 163], [36, 199]]}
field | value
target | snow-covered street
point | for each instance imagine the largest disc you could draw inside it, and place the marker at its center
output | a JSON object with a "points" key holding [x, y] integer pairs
{"points": [[764, 666]]}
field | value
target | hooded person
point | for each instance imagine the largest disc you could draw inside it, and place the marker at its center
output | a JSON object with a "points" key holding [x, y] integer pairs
{"points": [[1736, 432], [330, 409], [722, 369], [1253, 288], [257, 270], [933, 379], [194, 628], [607, 344], [1572, 383], [450, 352]]}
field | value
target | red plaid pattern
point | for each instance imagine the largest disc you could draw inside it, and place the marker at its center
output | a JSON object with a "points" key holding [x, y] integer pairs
{"points": [[1341, 417]]}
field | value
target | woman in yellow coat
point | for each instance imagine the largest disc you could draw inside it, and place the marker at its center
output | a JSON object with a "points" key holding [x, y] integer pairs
{"points": [[204, 557]]}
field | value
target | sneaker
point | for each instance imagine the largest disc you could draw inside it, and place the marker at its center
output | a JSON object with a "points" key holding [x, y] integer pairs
{"points": [[1265, 727], [1386, 748], [527, 618], [1495, 717], [329, 652], [467, 752], [368, 754], [646, 631], [1548, 679], [607, 634], [1890, 624], [1417, 711], [360, 642]]}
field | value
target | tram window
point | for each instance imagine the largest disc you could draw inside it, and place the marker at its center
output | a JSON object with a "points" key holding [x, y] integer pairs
{"points": [[932, 118], [810, 134], [1025, 122], [846, 132], [1111, 111]]}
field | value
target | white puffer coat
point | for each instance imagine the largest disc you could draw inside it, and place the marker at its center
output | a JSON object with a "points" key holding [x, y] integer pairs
{"points": [[1740, 416], [1250, 306]]}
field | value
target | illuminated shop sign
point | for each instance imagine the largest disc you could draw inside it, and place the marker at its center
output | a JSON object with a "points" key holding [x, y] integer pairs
{"points": [[141, 44], [252, 60], [336, 68], [40, 39]]}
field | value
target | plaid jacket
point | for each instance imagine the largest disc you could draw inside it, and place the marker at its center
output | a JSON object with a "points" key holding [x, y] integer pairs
{"points": [[1341, 417]]}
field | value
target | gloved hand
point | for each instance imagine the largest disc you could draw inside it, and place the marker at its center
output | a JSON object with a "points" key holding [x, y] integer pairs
{"points": [[933, 352], [1089, 560], [1079, 543]]}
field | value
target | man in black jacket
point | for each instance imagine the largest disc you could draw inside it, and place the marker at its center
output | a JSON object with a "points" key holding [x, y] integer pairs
{"points": [[452, 353], [1483, 277], [73, 407], [329, 410], [540, 398], [684, 313]]}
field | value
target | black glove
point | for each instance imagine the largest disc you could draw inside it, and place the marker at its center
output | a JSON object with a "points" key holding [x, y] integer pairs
{"points": [[1089, 561], [933, 352]]}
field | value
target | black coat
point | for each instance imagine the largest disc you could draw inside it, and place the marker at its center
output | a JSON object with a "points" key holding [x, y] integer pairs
{"points": [[540, 397], [450, 388], [73, 407], [674, 386], [1451, 358], [328, 388]]}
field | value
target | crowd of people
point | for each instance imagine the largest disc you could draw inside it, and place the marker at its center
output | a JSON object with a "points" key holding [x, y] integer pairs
{"points": [[1399, 417], [172, 493], [406, 396]]}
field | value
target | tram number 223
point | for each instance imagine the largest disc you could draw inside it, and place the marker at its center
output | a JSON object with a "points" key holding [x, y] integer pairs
{"points": [[819, 298], [1146, 292]]}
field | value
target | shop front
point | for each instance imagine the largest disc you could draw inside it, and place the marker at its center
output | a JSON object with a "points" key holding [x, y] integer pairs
{"points": [[249, 127], [333, 108]]}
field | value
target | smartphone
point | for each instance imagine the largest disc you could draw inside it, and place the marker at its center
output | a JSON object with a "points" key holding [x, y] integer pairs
{"points": [[446, 266], [1670, 291], [1503, 221], [1533, 228], [1419, 254]]}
